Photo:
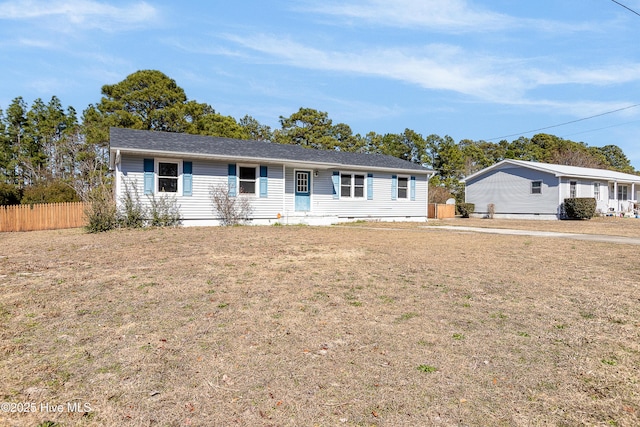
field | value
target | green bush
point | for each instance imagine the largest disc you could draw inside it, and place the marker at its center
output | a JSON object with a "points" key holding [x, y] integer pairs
{"points": [[465, 209], [9, 194], [580, 207], [51, 192]]}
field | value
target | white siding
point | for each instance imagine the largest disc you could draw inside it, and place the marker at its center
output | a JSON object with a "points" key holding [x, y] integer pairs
{"points": [[509, 189], [381, 206], [207, 175], [584, 188]]}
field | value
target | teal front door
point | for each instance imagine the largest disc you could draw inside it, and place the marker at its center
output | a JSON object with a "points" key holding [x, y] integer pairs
{"points": [[303, 191]]}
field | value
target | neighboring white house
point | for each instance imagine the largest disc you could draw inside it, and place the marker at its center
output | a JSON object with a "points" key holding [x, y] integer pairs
{"points": [[284, 183], [532, 190]]}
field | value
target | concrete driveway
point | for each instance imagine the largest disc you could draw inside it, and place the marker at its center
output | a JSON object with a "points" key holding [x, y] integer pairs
{"points": [[575, 236]]}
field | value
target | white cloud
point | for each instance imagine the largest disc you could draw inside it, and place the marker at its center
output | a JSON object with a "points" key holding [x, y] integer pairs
{"points": [[435, 66], [38, 43], [439, 67], [80, 13], [599, 76], [447, 16], [450, 15]]}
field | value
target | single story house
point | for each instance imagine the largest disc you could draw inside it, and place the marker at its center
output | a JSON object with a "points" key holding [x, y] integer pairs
{"points": [[285, 183], [533, 190]]}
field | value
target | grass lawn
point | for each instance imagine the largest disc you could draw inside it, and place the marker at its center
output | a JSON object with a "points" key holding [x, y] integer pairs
{"points": [[328, 326]]}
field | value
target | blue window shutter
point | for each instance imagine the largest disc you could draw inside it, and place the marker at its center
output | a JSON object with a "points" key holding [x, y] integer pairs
{"points": [[263, 181], [369, 186], [413, 188], [336, 184], [394, 187], [148, 176], [232, 180], [187, 178]]}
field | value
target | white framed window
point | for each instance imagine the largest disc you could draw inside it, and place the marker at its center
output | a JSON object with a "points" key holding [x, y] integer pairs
{"points": [[536, 187], [247, 178], [352, 185], [623, 192], [573, 189], [168, 177], [345, 185], [596, 190], [403, 187], [358, 186]]}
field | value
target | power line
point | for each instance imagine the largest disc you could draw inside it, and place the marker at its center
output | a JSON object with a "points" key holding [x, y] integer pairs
{"points": [[626, 7], [563, 124], [602, 128]]}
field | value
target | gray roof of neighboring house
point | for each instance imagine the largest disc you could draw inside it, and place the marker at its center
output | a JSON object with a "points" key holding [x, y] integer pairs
{"points": [[185, 145], [564, 171]]}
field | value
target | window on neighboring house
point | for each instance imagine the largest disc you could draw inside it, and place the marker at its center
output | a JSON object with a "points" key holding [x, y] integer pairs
{"points": [[536, 187], [623, 192], [596, 190], [351, 185], [612, 191], [167, 177], [403, 187], [573, 189], [247, 179]]}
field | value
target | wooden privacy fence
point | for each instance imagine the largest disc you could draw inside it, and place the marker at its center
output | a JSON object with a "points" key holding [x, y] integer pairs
{"points": [[439, 211], [50, 216]]}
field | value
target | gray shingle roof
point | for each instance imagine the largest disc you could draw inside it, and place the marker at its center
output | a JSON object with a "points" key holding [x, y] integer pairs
{"points": [[141, 141]]}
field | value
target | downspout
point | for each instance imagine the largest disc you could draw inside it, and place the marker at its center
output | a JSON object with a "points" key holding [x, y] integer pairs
{"points": [[559, 197], [284, 194], [426, 217], [117, 162]]}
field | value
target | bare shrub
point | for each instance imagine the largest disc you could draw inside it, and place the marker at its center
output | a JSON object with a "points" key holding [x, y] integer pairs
{"points": [[491, 210], [101, 210], [131, 213], [439, 194], [232, 210], [164, 211]]}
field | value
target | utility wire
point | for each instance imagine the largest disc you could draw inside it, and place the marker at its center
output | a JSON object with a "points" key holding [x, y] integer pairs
{"points": [[565, 123], [605, 127], [626, 7]]}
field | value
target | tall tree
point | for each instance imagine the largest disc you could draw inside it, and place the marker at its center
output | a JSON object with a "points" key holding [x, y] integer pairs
{"points": [[308, 128], [255, 130], [5, 149], [345, 139], [146, 99], [522, 149], [615, 158], [16, 127], [449, 163], [150, 100], [476, 155], [202, 119]]}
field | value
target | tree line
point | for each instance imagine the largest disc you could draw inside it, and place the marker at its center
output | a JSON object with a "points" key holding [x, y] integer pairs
{"points": [[49, 154]]}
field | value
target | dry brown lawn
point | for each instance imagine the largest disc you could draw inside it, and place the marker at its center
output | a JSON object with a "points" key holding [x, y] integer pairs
{"points": [[303, 326]]}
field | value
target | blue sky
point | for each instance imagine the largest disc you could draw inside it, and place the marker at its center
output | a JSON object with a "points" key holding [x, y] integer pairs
{"points": [[476, 69]]}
